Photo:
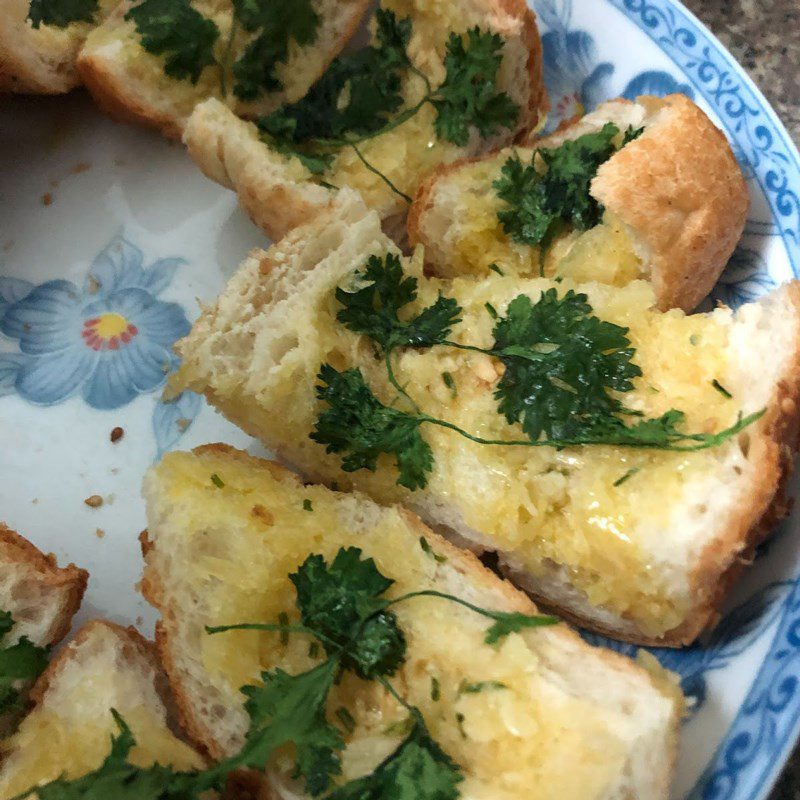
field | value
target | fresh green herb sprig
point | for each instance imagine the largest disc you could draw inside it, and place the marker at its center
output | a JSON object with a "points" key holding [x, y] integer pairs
{"points": [[343, 607], [21, 662], [552, 191], [60, 13], [187, 39], [359, 97], [564, 369]]}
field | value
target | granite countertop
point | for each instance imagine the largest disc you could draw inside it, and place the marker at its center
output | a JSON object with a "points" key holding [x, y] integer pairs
{"points": [[765, 38]]}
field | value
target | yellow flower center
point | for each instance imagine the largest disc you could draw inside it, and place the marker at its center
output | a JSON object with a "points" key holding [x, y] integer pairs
{"points": [[110, 325]]}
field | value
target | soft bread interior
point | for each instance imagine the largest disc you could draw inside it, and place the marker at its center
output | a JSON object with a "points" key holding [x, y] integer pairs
{"points": [[279, 193], [644, 558], [130, 82], [571, 721], [40, 60], [68, 732], [40, 596], [674, 198]]}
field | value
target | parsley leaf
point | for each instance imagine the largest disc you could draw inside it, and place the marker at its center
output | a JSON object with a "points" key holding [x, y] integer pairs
{"points": [[342, 602], [506, 622], [278, 23], [358, 424], [539, 202], [561, 362], [117, 778], [61, 13], [22, 661], [355, 95], [175, 29], [468, 95], [417, 770], [291, 709], [374, 310]]}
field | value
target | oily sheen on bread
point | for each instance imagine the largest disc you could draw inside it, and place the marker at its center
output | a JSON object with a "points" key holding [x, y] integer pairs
{"points": [[278, 192], [647, 557], [40, 60], [129, 83], [675, 205], [562, 719], [68, 732]]}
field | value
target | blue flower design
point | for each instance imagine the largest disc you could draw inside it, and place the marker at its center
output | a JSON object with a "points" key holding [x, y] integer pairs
{"points": [[656, 82], [735, 633], [110, 340], [575, 81], [745, 279]]}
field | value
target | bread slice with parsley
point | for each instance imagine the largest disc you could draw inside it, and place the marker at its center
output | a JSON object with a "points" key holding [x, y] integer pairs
{"points": [[634, 541], [134, 82], [38, 600], [667, 206], [41, 59], [539, 714], [68, 732], [496, 41]]}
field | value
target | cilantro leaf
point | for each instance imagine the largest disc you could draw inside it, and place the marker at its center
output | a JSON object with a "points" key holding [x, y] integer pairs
{"points": [[374, 309], [61, 13], [357, 424], [540, 201], [342, 602], [561, 362], [19, 662], [417, 770], [468, 95], [278, 23], [175, 29], [291, 709], [355, 95]]}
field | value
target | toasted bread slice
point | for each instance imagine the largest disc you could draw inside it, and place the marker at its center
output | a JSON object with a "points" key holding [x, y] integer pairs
{"points": [[647, 557], [41, 60], [41, 597], [675, 206], [569, 721], [279, 192], [129, 83], [68, 732]]}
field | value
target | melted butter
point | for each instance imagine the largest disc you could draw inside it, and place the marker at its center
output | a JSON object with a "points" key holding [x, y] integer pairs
{"points": [[539, 505], [47, 746], [603, 253], [514, 742]]}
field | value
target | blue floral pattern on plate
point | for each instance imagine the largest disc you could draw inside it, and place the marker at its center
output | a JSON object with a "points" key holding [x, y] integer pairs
{"points": [[110, 341]]}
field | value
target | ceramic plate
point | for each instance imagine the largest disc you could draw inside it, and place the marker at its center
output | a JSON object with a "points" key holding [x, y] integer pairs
{"points": [[110, 234]]}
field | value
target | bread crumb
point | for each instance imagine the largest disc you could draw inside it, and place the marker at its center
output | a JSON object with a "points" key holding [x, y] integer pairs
{"points": [[35, 501], [47, 199], [99, 533], [140, 620], [95, 501], [93, 284], [81, 166], [183, 424], [117, 433]]}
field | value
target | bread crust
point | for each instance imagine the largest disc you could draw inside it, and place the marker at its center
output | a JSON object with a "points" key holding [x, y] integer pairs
{"points": [[125, 101], [464, 562], [677, 189], [71, 580], [681, 191]]}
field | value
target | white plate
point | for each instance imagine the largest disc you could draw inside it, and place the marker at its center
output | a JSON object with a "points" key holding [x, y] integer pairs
{"points": [[108, 235]]}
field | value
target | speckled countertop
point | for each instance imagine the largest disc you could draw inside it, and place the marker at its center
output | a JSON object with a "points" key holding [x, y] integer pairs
{"points": [[764, 36]]}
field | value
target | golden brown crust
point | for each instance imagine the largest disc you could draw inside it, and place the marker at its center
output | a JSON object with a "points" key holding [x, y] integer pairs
{"points": [[116, 100], [18, 550], [679, 188], [136, 642]]}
